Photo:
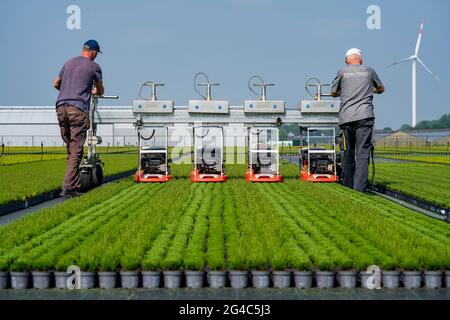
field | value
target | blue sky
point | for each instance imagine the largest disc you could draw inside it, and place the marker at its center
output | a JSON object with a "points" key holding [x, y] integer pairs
{"points": [[283, 41]]}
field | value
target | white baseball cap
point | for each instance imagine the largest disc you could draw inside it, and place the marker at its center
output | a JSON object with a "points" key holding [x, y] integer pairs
{"points": [[353, 51]]}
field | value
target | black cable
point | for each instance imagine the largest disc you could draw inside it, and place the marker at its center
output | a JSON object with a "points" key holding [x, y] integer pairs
{"points": [[149, 138], [372, 149]]}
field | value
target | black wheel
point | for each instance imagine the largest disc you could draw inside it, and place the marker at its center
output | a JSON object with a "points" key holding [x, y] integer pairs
{"points": [[86, 180], [97, 177]]}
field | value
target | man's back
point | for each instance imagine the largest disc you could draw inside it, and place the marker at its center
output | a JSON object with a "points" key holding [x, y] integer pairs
{"points": [[356, 86], [77, 78]]}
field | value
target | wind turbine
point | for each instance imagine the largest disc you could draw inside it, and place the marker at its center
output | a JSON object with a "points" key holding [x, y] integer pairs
{"points": [[415, 58]]}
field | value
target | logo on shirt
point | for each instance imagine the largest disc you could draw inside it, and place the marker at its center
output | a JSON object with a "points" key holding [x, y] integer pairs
{"points": [[356, 74]]}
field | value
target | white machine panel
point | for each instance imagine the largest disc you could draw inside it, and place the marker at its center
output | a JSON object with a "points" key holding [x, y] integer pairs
{"points": [[267, 106], [152, 106], [208, 106], [322, 106]]}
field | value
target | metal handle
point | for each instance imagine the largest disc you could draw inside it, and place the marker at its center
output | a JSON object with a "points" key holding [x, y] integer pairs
{"points": [[108, 97], [317, 85], [263, 85], [206, 84], [153, 85]]}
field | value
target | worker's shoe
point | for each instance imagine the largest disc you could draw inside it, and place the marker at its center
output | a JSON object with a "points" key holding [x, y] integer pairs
{"points": [[70, 193]]}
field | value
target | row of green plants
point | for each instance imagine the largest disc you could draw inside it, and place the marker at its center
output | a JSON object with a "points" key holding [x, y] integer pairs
{"points": [[232, 226], [424, 158], [412, 149], [24, 181], [425, 182]]}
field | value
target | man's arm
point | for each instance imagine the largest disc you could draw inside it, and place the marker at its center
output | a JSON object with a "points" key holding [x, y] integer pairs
{"points": [[379, 90], [98, 90], [57, 83], [336, 85]]}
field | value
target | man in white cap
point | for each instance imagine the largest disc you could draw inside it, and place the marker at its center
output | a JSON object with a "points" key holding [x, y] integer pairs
{"points": [[356, 84]]}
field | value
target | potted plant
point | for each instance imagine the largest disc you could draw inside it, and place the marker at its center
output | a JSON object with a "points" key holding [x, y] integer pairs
{"points": [[281, 278], [433, 273], [151, 274], [390, 276], [129, 274], [88, 267], [20, 276], [172, 273], [193, 273], [41, 275], [238, 275], [346, 274], [303, 276], [107, 274], [60, 272], [411, 274], [325, 277]]}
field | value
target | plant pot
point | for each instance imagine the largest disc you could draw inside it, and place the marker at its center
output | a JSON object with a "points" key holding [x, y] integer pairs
{"points": [[238, 279], [172, 279], [20, 280], [107, 279], [3, 280], [194, 279], [412, 279], [325, 279], [129, 279], [61, 279], [41, 279], [87, 280], [347, 279], [390, 279], [433, 279], [151, 279], [281, 279], [261, 279], [217, 279], [303, 279]]}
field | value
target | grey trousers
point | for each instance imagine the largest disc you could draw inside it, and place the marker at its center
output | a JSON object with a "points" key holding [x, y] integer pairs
{"points": [[357, 139], [73, 124]]}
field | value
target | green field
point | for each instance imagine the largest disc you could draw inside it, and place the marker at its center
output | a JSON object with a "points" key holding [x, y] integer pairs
{"points": [[426, 182], [235, 225], [423, 158], [27, 180]]}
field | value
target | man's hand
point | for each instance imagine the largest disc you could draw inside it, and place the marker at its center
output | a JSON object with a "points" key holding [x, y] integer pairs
{"points": [[378, 90], [98, 89], [335, 94], [57, 83]]}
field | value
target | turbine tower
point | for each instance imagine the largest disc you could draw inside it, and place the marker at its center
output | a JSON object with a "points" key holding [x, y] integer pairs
{"points": [[415, 58]]}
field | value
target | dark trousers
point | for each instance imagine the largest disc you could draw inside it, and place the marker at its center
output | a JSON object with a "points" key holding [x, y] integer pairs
{"points": [[357, 139], [73, 124]]}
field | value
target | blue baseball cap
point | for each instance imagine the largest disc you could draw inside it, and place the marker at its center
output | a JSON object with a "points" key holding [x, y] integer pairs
{"points": [[92, 45]]}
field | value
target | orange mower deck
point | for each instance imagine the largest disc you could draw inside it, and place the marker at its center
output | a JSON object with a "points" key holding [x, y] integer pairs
{"points": [[318, 177], [250, 176], [140, 177], [198, 177]]}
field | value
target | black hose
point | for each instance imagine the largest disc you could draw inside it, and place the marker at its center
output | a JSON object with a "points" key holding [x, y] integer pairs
{"points": [[148, 138], [372, 149]]}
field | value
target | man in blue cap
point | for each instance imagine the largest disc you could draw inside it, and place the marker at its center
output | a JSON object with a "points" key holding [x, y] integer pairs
{"points": [[75, 83]]}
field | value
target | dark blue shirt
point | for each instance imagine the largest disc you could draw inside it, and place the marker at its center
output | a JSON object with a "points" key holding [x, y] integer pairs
{"points": [[77, 78]]}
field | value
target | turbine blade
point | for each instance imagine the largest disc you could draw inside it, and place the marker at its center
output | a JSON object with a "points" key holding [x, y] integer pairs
{"points": [[419, 38], [401, 61], [426, 68]]}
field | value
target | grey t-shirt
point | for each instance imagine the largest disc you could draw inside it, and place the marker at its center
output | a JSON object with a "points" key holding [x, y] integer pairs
{"points": [[355, 84], [77, 78]]}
